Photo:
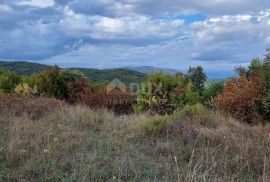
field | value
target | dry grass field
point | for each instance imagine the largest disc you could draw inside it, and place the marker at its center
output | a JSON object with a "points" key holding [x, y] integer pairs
{"points": [[45, 140]]}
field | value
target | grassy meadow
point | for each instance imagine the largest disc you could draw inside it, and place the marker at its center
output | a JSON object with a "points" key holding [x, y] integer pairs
{"points": [[46, 140]]}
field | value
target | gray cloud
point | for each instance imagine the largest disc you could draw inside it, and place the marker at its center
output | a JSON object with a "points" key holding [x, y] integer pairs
{"points": [[115, 33], [152, 7], [38, 33], [236, 38]]}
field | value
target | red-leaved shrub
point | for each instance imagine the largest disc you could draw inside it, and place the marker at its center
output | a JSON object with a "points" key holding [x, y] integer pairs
{"points": [[99, 98], [241, 97]]}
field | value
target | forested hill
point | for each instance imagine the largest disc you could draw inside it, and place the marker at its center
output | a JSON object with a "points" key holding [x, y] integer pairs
{"points": [[28, 68], [23, 67], [125, 75]]}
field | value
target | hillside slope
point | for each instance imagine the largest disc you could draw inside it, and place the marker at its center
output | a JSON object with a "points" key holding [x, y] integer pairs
{"points": [[124, 75], [23, 67], [58, 142], [28, 68], [150, 69]]}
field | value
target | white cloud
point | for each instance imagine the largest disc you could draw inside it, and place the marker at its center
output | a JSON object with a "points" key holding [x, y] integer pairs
{"points": [[37, 3], [173, 54], [5, 8], [116, 55], [267, 41], [153, 7], [136, 27], [238, 37], [217, 44], [120, 28]]}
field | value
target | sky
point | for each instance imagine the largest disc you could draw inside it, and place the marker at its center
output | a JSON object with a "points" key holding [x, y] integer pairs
{"points": [[216, 34]]}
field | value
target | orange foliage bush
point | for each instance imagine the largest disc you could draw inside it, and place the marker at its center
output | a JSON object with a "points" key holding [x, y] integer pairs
{"points": [[241, 98], [98, 98], [79, 92]]}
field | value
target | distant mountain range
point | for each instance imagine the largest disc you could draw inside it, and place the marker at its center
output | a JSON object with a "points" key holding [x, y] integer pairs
{"points": [[29, 68], [23, 67], [127, 74], [124, 75], [150, 69], [212, 75]]}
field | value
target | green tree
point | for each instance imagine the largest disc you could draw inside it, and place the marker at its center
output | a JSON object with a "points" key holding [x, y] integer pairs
{"points": [[53, 82], [212, 90], [267, 56], [163, 93], [198, 78], [8, 81], [265, 74]]}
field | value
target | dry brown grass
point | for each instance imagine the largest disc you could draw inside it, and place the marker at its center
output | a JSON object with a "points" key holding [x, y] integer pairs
{"points": [[33, 107], [73, 143], [230, 150]]}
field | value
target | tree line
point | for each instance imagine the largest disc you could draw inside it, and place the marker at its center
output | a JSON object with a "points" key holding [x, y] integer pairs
{"points": [[246, 96]]}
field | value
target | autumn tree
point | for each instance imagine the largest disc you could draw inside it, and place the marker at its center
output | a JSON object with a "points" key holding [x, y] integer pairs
{"points": [[79, 91], [241, 97], [248, 97]]}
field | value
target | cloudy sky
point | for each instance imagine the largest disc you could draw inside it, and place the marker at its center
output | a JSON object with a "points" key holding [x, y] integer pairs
{"points": [[217, 34]]}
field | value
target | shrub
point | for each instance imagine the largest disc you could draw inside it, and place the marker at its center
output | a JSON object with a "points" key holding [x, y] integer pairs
{"points": [[196, 113], [53, 82], [192, 97], [265, 76], [265, 108], [155, 125], [120, 103], [49, 83], [163, 94], [213, 90], [262, 70], [192, 114], [248, 97], [158, 124], [98, 98], [24, 89], [79, 91], [241, 97], [8, 81]]}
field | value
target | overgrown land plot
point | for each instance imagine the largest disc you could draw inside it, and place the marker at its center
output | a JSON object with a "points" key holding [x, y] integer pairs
{"points": [[56, 125], [73, 143]]}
